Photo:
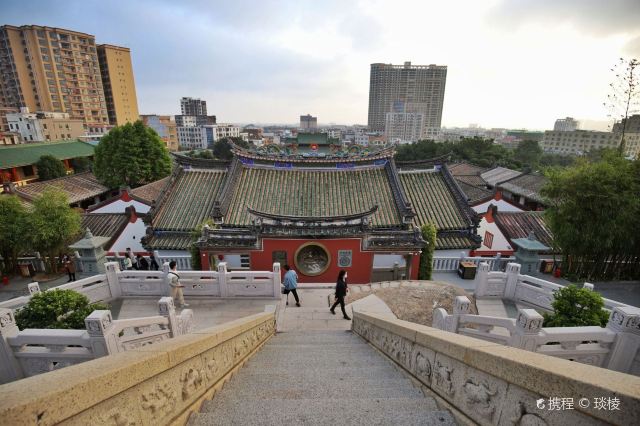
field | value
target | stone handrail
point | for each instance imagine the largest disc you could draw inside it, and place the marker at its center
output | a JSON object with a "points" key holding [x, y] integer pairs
{"points": [[451, 263], [158, 384], [489, 384], [30, 352], [615, 347]]}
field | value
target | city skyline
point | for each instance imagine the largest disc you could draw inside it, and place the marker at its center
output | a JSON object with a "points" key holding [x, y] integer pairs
{"points": [[511, 64]]}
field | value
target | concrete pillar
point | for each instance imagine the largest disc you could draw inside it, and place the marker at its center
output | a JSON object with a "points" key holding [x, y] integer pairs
{"points": [[513, 274], [625, 322], [481, 280], [34, 288], [165, 277], [167, 309], [276, 280], [588, 286], [528, 327], [460, 307], [103, 340], [111, 271], [10, 369], [222, 280]]}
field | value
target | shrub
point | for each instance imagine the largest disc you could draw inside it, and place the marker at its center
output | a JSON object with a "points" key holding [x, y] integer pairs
{"points": [[426, 258], [575, 307], [64, 309]]}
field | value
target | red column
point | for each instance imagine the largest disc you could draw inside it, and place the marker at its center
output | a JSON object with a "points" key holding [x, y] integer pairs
{"points": [[204, 261]]}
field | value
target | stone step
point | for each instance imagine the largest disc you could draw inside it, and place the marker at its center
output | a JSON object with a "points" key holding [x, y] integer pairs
{"points": [[312, 375], [315, 351], [396, 411], [315, 337]]}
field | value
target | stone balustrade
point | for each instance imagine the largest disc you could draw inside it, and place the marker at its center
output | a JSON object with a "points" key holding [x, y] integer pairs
{"points": [[451, 263], [30, 352], [490, 384], [148, 385], [615, 347]]}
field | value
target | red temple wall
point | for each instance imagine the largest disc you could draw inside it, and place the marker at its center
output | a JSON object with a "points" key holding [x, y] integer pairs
{"points": [[358, 273]]}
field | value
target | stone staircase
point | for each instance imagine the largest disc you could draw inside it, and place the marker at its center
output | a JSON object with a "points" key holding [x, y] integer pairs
{"points": [[320, 377]]}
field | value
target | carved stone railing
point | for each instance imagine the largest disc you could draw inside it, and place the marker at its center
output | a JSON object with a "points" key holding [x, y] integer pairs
{"points": [[158, 384], [34, 351], [489, 384], [450, 263], [614, 347]]}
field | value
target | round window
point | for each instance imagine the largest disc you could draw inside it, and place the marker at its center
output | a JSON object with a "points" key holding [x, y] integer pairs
{"points": [[312, 259]]}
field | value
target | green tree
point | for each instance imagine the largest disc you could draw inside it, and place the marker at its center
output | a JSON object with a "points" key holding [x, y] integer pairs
{"points": [[426, 258], [49, 167], [222, 147], [575, 307], [81, 164], [528, 154], [131, 155], [52, 224], [13, 218], [196, 262], [56, 308], [593, 213]]}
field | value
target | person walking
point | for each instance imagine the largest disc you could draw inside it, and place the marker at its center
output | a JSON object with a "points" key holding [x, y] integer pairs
{"points": [[143, 264], [291, 283], [70, 266], [341, 292], [154, 264], [176, 287]]}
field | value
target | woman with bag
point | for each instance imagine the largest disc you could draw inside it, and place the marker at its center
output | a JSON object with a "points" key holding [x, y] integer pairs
{"points": [[341, 293]]}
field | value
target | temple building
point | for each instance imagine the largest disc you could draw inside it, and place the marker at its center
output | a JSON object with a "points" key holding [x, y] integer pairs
{"points": [[340, 208]]}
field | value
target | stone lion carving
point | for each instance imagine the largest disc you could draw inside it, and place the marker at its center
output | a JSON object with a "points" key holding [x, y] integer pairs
{"points": [[442, 375], [421, 365], [478, 396]]}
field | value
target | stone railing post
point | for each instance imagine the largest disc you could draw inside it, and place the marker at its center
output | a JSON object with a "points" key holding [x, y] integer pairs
{"points": [[103, 340], [222, 279], [588, 286], [481, 280], [9, 367], [496, 262], [460, 307], [165, 277], [528, 327], [34, 288], [276, 280], [513, 275], [167, 309], [625, 322], [111, 271]]}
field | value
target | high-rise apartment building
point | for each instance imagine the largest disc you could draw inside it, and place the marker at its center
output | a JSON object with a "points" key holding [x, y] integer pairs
{"points": [[165, 127], [407, 88], [308, 122], [118, 84], [565, 125], [404, 127], [632, 125], [193, 106], [45, 126], [52, 69], [580, 142]]}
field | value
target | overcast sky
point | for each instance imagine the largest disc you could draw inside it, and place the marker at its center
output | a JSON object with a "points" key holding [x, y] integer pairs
{"points": [[517, 64]]}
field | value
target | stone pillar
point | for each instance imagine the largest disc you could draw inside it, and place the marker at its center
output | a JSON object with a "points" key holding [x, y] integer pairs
{"points": [[222, 279], [165, 276], [111, 271], [481, 280], [9, 367], [625, 322], [588, 286], [103, 340], [167, 309], [496, 262], [34, 288], [460, 307], [513, 273], [528, 327], [276, 280]]}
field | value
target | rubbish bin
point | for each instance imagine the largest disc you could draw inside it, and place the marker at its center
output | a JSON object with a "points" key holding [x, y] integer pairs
{"points": [[546, 266], [24, 270], [467, 270]]}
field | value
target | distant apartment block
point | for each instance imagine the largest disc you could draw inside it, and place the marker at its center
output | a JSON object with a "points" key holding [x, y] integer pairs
{"points": [[632, 125], [45, 126], [202, 137], [118, 84], [165, 127], [10, 138], [52, 69], [566, 125], [308, 122], [404, 127], [195, 120], [580, 142], [410, 89], [193, 106]]}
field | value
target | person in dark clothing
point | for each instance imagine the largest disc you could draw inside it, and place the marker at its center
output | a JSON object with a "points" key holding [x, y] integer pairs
{"points": [[341, 292], [143, 264], [154, 263]]}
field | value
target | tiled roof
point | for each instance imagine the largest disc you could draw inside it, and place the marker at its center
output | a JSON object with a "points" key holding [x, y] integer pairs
{"points": [[474, 193], [465, 169], [189, 200], [108, 225], [520, 224], [77, 187], [432, 200], [313, 193], [169, 241], [149, 193], [452, 241], [499, 174], [528, 185], [29, 153]]}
